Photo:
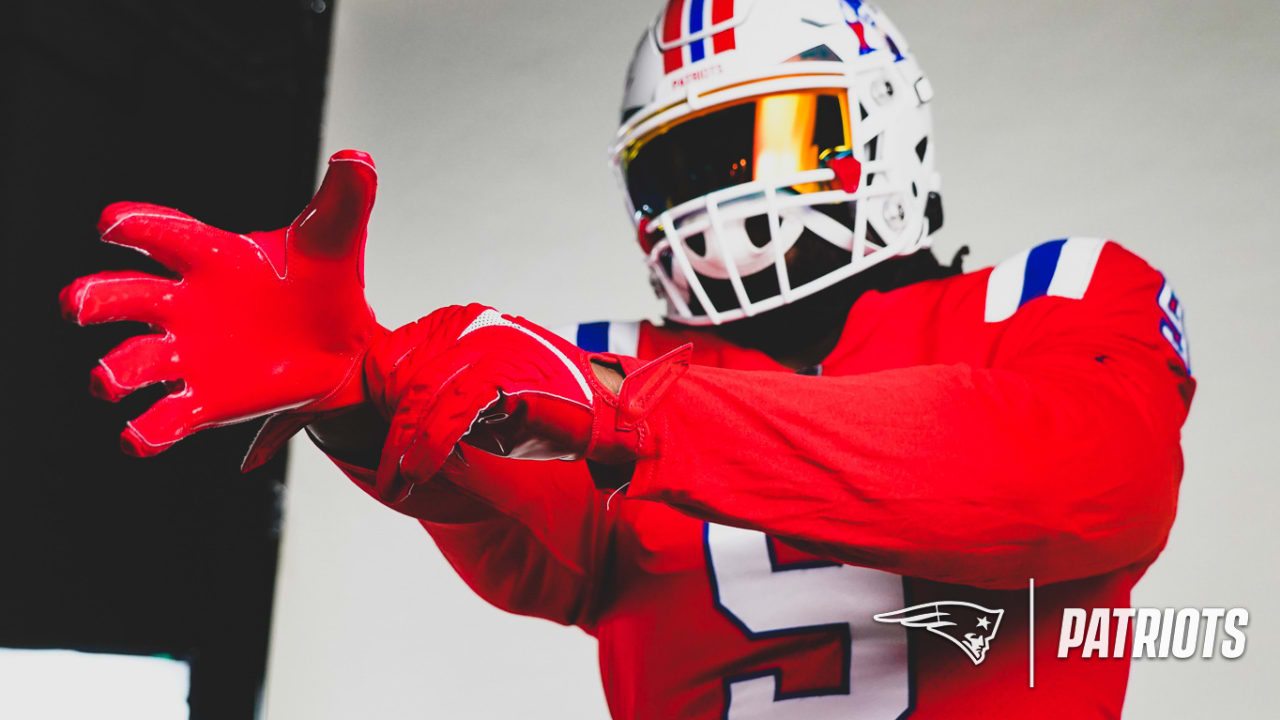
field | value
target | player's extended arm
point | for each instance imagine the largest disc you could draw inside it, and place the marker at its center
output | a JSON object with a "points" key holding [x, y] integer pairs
{"points": [[973, 476], [1061, 462]]}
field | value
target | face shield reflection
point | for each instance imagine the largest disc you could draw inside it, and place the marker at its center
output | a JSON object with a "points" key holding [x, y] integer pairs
{"points": [[759, 139]]}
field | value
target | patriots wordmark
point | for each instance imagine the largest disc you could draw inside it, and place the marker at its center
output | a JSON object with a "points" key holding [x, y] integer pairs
{"points": [[971, 627]]}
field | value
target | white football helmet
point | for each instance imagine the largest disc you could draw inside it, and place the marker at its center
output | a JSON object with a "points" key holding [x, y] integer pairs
{"points": [[748, 124]]}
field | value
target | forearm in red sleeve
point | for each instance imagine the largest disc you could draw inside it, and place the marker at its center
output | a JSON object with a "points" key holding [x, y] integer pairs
{"points": [[975, 476], [522, 535]]}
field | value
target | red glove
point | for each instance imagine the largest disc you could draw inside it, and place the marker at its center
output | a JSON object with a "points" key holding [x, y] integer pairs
{"points": [[508, 387], [268, 322]]}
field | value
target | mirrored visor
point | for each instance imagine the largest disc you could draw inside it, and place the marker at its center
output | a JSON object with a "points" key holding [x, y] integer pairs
{"points": [[759, 139]]}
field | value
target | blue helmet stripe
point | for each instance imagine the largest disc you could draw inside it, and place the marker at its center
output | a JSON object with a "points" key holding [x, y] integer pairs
{"points": [[697, 50]]}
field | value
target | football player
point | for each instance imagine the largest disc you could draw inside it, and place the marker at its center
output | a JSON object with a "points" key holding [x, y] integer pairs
{"points": [[832, 439]]}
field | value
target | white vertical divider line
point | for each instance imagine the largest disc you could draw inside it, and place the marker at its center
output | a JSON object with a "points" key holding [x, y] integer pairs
{"points": [[1031, 632]]}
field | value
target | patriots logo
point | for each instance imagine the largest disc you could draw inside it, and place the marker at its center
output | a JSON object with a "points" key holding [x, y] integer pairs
{"points": [[970, 627]]}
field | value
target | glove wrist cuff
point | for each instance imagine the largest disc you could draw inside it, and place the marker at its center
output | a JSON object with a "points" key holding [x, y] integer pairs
{"points": [[621, 432]]}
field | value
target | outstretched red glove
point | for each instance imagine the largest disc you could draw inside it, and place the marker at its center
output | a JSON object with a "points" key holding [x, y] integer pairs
{"points": [[508, 387], [256, 324]]}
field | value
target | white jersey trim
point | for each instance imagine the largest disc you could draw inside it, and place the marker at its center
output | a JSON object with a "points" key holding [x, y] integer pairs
{"points": [[1059, 268]]}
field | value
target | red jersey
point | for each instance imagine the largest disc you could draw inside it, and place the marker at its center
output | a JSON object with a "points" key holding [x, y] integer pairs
{"points": [[965, 435]]}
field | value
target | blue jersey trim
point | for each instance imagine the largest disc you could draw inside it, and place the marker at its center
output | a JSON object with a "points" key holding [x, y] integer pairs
{"points": [[593, 336], [1058, 268], [1042, 262]]}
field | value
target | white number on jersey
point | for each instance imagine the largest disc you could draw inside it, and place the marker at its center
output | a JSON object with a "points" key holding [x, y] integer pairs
{"points": [[765, 599]]}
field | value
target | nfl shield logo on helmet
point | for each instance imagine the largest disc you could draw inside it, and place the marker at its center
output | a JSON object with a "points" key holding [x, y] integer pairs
{"points": [[970, 627]]}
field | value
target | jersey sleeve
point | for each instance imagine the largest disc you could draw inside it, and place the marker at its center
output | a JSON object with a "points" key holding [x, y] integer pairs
{"points": [[525, 536], [1057, 457]]}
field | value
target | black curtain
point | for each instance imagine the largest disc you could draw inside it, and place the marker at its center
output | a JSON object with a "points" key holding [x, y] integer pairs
{"points": [[210, 107]]}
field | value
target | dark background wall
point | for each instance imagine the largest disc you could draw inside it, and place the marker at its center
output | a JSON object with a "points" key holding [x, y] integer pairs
{"points": [[210, 107]]}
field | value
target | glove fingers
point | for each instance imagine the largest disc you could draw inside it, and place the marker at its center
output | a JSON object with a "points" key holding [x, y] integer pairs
{"points": [[389, 484], [333, 224], [447, 420], [135, 363], [114, 296], [417, 412], [172, 418], [394, 478], [162, 233]]}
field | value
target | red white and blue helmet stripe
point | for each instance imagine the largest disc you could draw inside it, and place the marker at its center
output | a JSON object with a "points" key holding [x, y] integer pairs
{"points": [[690, 18]]}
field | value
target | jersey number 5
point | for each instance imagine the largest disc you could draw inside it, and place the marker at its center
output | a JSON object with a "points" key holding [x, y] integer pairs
{"points": [[767, 599]]}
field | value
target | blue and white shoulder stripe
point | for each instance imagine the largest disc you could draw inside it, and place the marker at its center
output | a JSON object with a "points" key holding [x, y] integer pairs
{"points": [[1058, 268], [619, 338]]}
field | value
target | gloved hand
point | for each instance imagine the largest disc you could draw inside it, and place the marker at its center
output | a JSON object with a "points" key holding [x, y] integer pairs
{"points": [[508, 387], [264, 323]]}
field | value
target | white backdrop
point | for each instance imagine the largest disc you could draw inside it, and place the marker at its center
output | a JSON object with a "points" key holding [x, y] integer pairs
{"points": [[1153, 122]]}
